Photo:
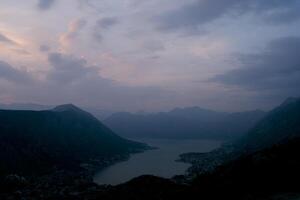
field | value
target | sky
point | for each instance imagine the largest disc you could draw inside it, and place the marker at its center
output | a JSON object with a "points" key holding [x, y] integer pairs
{"points": [[155, 55]]}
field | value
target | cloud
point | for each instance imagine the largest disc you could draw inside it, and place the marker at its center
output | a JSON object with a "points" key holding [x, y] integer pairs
{"points": [[74, 29], [283, 16], [82, 83], [7, 72], [277, 69], [200, 12], [45, 4], [153, 45], [102, 25], [44, 48], [21, 52], [142, 56], [107, 22], [5, 39], [68, 69], [77, 82]]}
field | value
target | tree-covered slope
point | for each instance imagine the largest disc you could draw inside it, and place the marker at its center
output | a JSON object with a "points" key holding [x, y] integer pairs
{"points": [[63, 136], [280, 125]]}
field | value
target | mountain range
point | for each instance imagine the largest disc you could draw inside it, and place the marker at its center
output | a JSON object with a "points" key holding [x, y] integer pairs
{"points": [[262, 164], [184, 123], [265, 165], [179, 123], [98, 113]]}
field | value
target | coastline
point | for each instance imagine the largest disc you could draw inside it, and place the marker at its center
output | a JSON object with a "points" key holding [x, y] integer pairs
{"points": [[74, 181]]}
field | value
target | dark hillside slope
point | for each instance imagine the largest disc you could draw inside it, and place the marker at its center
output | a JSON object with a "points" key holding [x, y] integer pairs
{"points": [[38, 140], [280, 125], [266, 173], [265, 162]]}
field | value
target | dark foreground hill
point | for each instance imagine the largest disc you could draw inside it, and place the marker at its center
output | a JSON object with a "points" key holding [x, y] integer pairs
{"points": [[271, 174], [65, 137], [185, 123], [267, 172]]}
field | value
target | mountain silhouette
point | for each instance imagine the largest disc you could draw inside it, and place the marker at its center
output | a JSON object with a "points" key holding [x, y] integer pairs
{"points": [[65, 136], [184, 123]]}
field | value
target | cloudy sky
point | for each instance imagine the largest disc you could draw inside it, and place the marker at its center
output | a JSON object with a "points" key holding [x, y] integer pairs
{"points": [[153, 55]]}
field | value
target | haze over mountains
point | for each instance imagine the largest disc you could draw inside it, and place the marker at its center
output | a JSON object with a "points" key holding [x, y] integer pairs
{"points": [[179, 123], [184, 123], [99, 113], [24, 106]]}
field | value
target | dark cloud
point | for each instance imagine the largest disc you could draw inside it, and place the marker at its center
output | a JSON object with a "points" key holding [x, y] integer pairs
{"points": [[5, 39], [102, 25], [106, 22], [201, 12], [7, 72], [68, 69], [97, 35], [154, 46], [45, 4], [277, 70], [44, 48], [284, 16]]}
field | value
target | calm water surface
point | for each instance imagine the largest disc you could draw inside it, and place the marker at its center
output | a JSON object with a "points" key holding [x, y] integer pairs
{"points": [[159, 162]]}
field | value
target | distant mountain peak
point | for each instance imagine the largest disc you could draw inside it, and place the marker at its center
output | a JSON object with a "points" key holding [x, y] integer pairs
{"points": [[66, 107], [290, 100]]}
